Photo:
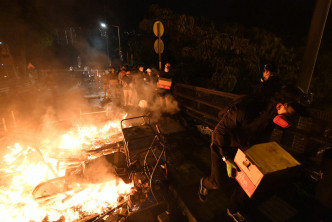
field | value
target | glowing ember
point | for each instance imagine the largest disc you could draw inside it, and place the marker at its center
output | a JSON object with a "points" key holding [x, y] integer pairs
{"points": [[23, 168]]}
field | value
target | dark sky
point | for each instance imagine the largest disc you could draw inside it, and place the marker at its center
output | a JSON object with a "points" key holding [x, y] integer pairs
{"points": [[280, 15], [289, 19]]}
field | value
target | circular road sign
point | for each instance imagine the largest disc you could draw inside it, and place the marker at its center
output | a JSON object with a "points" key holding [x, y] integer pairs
{"points": [[156, 46], [158, 25]]}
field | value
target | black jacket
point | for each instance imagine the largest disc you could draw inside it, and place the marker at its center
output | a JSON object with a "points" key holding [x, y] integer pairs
{"points": [[246, 122], [267, 89], [167, 75]]}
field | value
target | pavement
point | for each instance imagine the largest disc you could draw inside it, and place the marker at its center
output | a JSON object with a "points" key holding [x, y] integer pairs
{"points": [[188, 158], [188, 161]]}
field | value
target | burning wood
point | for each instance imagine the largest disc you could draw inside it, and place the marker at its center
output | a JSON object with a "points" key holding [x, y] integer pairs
{"points": [[81, 176], [71, 196]]}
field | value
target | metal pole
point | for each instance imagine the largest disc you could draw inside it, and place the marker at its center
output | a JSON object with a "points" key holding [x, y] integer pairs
{"points": [[108, 54], [159, 53], [314, 39], [118, 27], [119, 38]]}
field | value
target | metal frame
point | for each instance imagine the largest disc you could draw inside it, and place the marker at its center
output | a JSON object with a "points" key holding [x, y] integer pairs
{"points": [[157, 142]]}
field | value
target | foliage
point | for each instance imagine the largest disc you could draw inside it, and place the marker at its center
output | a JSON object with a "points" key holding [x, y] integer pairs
{"points": [[230, 58]]}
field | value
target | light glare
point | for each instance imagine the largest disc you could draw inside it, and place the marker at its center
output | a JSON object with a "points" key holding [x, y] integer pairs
{"points": [[103, 25]]}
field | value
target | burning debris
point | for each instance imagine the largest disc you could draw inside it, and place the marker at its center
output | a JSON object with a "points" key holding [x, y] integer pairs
{"points": [[86, 175]]}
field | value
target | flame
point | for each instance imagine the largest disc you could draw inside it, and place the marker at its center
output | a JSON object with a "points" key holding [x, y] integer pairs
{"points": [[24, 167]]}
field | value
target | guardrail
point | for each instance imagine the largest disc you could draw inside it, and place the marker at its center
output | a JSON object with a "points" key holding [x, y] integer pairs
{"points": [[202, 104], [311, 135]]}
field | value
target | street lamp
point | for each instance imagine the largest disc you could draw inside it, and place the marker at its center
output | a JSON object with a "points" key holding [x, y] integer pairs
{"points": [[104, 26], [120, 53]]}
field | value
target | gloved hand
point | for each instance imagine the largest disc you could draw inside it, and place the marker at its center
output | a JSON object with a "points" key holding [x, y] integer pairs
{"points": [[231, 168]]}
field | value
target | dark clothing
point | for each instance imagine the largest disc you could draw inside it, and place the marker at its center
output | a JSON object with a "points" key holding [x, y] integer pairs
{"points": [[127, 81], [246, 122], [218, 171], [168, 75], [164, 74], [266, 89], [243, 124]]}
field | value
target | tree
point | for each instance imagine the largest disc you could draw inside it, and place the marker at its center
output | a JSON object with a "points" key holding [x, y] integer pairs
{"points": [[228, 59]]}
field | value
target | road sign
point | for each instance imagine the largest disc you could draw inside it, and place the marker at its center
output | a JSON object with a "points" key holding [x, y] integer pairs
{"points": [[158, 49], [158, 28]]}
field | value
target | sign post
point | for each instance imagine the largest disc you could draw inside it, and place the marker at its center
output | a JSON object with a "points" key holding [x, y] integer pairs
{"points": [[158, 30]]}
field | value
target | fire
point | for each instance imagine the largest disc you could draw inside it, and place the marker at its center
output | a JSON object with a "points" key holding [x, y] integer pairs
{"points": [[24, 167]]}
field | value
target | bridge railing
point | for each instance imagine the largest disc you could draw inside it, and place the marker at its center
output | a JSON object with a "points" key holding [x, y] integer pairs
{"points": [[202, 104], [309, 136]]}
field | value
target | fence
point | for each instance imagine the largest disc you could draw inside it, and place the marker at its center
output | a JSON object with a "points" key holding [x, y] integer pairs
{"points": [[310, 136]]}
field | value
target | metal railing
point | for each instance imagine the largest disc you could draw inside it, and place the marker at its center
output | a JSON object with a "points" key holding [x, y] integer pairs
{"points": [[203, 104], [309, 136]]}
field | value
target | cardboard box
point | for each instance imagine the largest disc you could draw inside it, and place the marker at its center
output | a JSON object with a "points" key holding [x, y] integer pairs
{"points": [[266, 162], [164, 83]]}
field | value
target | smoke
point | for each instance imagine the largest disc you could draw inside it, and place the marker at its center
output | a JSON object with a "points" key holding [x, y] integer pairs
{"points": [[34, 109], [172, 106], [98, 170], [150, 100], [91, 57]]}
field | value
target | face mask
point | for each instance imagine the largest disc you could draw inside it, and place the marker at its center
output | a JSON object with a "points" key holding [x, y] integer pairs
{"points": [[282, 121]]}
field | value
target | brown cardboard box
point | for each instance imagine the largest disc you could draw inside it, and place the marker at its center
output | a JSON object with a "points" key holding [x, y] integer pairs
{"points": [[164, 83], [266, 162]]}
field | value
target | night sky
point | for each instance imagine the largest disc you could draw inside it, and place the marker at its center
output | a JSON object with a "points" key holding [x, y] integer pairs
{"points": [[281, 16], [25, 24], [289, 20]]}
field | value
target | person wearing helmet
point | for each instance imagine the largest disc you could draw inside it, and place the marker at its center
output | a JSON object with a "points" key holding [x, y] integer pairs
{"points": [[150, 78]]}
